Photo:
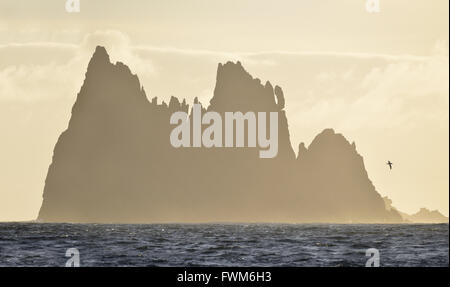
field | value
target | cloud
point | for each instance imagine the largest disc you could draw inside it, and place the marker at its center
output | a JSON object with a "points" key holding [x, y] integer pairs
{"points": [[403, 93], [396, 92], [350, 90], [46, 70]]}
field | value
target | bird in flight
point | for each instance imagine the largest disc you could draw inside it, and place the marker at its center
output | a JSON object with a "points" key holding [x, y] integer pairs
{"points": [[389, 163]]}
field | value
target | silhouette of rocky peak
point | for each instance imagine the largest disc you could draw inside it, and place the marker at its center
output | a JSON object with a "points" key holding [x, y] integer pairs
{"points": [[100, 66], [237, 90], [280, 97], [424, 215], [116, 82], [99, 62], [100, 55], [332, 154], [330, 141], [426, 212], [110, 94], [176, 105], [301, 150], [115, 163]]}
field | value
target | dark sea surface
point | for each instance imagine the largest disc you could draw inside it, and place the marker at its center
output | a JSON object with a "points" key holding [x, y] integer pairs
{"points": [[39, 244]]}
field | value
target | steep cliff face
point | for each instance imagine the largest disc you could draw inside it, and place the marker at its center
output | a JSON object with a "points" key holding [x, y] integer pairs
{"points": [[114, 163], [104, 163], [334, 179], [237, 90]]}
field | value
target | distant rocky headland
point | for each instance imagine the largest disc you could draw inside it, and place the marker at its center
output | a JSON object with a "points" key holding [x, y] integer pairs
{"points": [[424, 215], [115, 163]]}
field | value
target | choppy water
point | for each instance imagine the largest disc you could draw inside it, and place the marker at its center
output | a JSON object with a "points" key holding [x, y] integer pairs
{"points": [[34, 244]]}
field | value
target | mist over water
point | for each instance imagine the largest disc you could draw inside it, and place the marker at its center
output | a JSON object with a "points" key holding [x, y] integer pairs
{"points": [[37, 244]]}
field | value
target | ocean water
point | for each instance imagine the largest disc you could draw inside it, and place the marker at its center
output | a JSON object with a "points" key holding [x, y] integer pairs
{"points": [[38, 244]]}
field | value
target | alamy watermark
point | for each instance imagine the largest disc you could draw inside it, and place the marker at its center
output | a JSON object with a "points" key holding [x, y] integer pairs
{"points": [[74, 257], [73, 6], [373, 6], [212, 135], [374, 257]]}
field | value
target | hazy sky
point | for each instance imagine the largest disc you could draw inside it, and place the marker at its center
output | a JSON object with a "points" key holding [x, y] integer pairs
{"points": [[381, 79]]}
